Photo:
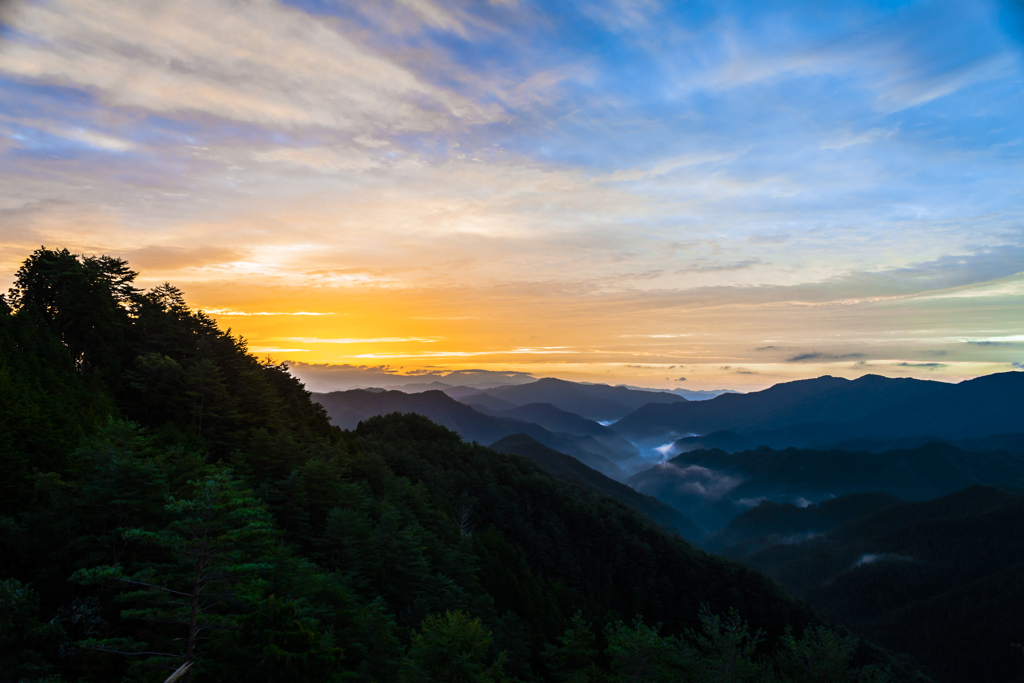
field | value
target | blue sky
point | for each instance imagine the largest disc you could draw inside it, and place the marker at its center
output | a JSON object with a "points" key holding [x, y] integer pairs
{"points": [[596, 190]]}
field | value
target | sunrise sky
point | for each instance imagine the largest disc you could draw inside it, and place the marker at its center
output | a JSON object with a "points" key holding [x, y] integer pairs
{"points": [[734, 193]]}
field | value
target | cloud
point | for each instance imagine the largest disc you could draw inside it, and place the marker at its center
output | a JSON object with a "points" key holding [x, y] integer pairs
{"points": [[766, 348], [926, 366], [158, 258], [270, 64], [229, 313], [323, 377], [435, 16], [358, 340], [681, 379], [849, 139], [815, 355], [323, 159], [621, 15], [1008, 339], [720, 267], [699, 481]]}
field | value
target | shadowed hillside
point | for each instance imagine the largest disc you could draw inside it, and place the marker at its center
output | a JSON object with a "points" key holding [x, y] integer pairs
{"points": [[940, 580], [348, 408], [571, 470]]}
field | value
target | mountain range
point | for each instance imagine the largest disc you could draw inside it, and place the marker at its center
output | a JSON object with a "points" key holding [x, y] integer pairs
{"points": [[829, 409], [347, 409], [598, 402]]}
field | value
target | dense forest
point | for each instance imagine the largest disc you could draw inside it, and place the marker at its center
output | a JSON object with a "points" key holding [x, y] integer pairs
{"points": [[940, 580], [171, 503]]}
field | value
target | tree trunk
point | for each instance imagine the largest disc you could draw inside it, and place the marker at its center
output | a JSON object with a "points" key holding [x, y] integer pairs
{"points": [[190, 648]]}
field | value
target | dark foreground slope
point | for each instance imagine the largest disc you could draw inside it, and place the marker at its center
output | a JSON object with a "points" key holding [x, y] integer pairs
{"points": [[940, 580], [573, 471], [228, 527]]}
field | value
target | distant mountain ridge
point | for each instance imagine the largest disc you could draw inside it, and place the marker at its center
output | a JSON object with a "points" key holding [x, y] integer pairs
{"points": [[599, 402], [830, 408], [347, 409], [557, 420]]}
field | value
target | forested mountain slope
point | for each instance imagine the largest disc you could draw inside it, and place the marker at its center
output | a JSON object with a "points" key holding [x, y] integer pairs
{"points": [[190, 506], [569, 469], [940, 580], [347, 409]]}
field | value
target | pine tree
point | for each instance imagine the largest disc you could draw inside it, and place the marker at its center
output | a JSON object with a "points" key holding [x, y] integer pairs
{"points": [[210, 559]]}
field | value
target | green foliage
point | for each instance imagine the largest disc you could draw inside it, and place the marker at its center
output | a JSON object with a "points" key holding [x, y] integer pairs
{"points": [[28, 645], [279, 640], [574, 653], [726, 649], [451, 648], [206, 567], [639, 653], [820, 656]]}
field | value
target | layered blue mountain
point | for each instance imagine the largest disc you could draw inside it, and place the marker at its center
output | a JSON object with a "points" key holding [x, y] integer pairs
{"points": [[555, 419], [347, 409], [831, 409], [598, 402], [940, 581], [713, 486]]}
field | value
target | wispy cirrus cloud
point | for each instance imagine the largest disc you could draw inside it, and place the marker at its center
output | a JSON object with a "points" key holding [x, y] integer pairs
{"points": [[270, 65], [818, 356]]}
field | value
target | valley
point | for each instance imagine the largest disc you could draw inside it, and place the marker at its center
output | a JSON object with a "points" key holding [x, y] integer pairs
{"points": [[894, 507]]}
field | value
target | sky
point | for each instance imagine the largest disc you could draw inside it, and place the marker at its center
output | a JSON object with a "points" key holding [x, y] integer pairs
{"points": [[695, 195]]}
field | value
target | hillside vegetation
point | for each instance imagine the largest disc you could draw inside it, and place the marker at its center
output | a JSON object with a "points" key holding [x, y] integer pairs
{"points": [[940, 580], [170, 502]]}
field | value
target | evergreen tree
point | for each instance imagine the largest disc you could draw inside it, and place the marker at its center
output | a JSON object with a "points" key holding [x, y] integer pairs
{"points": [[206, 572], [452, 648]]}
